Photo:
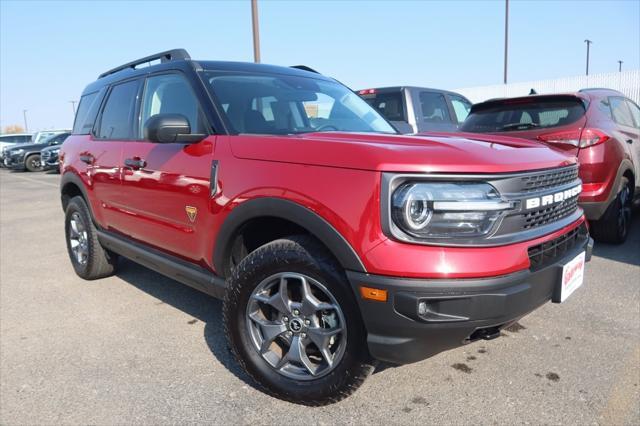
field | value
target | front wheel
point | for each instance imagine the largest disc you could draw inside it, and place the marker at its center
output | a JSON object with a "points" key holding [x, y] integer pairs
{"points": [[293, 324], [33, 163]]}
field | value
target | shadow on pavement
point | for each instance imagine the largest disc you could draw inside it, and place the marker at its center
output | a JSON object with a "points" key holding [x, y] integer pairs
{"points": [[629, 252], [192, 302]]}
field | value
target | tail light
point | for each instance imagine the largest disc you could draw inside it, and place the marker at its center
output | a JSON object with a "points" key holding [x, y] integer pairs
{"points": [[367, 92], [578, 137]]}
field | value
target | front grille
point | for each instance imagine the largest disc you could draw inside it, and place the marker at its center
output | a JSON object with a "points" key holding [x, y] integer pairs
{"points": [[544, 181], [546, 253], [545, 215]]}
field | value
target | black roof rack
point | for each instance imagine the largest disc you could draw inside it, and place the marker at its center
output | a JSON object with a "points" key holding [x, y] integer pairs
{"points": [[169, 55], [304, 68]]}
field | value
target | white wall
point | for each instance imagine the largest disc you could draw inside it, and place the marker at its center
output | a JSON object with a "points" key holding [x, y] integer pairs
{"points": [[627, 82]]}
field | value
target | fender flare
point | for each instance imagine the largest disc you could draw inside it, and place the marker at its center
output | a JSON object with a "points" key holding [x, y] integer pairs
{"points": [[293, 212], [73, 178]]}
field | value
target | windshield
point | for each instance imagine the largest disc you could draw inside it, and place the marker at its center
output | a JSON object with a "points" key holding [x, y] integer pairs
{"points": [[510, 116], [281, 104], [42, 137]]}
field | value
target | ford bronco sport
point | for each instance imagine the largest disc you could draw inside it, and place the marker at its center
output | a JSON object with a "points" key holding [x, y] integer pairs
{"points": [[333, 241]]}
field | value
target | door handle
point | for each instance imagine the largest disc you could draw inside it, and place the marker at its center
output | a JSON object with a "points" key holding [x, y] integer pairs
{"points": [[135, 163], [86, 158], [629, 140]]}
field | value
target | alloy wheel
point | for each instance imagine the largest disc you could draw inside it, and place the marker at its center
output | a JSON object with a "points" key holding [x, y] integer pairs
{"points": [[624, 214], [78, 238], [296, 325]]}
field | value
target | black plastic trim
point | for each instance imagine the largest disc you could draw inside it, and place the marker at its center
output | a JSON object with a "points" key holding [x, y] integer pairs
{"points": [[166, 56], [288, 210], [213, 179], [165, 264], [458, 310]]}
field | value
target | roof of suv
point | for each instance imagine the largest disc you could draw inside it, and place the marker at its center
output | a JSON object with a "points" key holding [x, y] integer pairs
{"points": [[179, 59], [398, 88], [584, 94]]}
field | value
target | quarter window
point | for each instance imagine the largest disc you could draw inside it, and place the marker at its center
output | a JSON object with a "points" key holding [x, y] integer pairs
{"points": [[434, 107], [635, 112], [117, 115], [171, 94], [461, 107], [620, 111]]}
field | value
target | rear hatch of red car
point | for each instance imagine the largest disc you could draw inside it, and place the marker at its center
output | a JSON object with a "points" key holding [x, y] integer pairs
{"points": [[556, 120]]}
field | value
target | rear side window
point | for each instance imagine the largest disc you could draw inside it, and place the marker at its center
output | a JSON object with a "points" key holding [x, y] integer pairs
{"points": [[117, 115], [434, 107], [513, 115], [635, 112], [621, 113], [389, 105], [461, 107]]}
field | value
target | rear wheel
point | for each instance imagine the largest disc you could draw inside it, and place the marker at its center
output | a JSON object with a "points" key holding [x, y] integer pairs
{"points": [[293, 323], [89, 259], [33, 163], [613, 227]]}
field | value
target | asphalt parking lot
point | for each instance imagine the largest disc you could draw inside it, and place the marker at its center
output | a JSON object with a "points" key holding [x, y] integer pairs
{"points": [[141, 348]]}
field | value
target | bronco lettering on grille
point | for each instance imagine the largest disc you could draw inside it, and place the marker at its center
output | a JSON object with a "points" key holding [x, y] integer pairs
{"points": [[547, 200]]}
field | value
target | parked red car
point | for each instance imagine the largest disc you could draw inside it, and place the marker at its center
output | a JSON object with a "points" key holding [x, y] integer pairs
{"points": [[599, 126]]}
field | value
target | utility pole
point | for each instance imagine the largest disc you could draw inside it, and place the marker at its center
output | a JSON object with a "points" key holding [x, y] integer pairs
{"points": [[619, 66], [588, 45], [73, 107], [506, 37], [24, 114], [256, 31]]}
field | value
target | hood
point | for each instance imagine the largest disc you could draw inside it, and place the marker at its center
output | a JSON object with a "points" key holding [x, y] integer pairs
{"points": [[29, 146], [443, 153], [51, 148]]}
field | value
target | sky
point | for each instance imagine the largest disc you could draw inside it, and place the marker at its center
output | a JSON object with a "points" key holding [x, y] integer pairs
{"points": [[49, 51]]}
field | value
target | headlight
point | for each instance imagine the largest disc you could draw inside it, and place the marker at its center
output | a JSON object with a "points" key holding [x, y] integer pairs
{"points": [[16, 151], [440, 210], [55, 151]]}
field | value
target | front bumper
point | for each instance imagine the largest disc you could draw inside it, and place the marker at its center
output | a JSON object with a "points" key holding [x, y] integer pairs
{"points": [[15, 162], [49, 162], [459, 311]]}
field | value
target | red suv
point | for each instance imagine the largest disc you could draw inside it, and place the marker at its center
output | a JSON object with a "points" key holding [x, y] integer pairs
{"points": [[599, 126], [333, 241]]}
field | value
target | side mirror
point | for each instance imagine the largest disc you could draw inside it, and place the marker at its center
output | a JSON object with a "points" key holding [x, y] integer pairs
{"points": [[169, 128]]}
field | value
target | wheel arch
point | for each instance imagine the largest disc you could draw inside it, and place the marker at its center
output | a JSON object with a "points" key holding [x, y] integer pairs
{"points": [[284, 213], [71, 185]]}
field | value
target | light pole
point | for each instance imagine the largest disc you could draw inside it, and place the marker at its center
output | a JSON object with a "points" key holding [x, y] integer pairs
{"points": [[619, 66], [73, 107], [24, 114], [256, 32], [506, 37], [588, 45]]}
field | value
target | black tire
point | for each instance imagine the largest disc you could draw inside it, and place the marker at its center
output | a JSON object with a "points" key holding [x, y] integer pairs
{"points": [[301, 255], [98, 262], [32, 163], [613, 226]]}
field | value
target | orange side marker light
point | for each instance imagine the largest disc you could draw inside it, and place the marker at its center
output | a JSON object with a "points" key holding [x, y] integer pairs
{"points": [[376, 294]]}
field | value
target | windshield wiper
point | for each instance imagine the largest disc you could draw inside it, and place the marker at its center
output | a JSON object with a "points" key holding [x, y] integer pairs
{"points": [[522, 126]]}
